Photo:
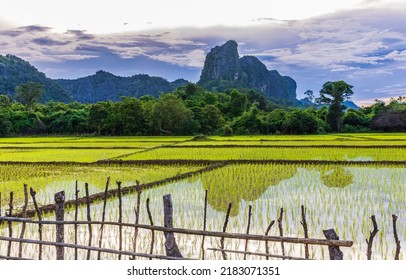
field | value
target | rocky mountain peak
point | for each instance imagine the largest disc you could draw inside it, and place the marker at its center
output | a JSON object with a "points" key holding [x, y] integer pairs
{"points": [[224, 69]]}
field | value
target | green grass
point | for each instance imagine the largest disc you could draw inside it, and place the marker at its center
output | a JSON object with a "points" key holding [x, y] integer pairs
{"points": [[336, 196], [279, 153], [269, 142], [39, 139], [50, 178], [87, 144], [61, 155], [267, 187]]}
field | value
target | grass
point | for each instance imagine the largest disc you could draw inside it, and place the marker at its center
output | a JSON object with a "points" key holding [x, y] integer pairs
{"points": [[83, 144], [48, 179], [60, 155], [341, 196], [347, 142], [279, 153], [369, 190]]}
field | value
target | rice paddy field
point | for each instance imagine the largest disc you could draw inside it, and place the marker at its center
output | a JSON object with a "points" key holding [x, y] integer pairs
{"points": [[341, 179]]}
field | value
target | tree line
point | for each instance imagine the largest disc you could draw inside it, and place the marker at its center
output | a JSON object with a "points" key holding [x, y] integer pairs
{"points": [[191, 110]]}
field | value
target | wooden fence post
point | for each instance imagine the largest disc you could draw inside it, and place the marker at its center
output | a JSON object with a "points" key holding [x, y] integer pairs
{"points": [[335, 252], [171, 247], [59, 213]]}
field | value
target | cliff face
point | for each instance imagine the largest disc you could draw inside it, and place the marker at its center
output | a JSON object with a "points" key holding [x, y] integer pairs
{"points": [[222, 63], [224, 69]]}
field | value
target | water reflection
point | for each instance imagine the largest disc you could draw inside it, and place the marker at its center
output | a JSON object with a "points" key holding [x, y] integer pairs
{"points": [[339, 177], [242, 182]]}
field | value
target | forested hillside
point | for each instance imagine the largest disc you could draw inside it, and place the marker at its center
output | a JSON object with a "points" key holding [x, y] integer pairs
{"points": [[191, 110]]}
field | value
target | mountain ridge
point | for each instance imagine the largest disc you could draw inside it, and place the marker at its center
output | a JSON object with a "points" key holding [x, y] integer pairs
{"points": [[224, 69], [15, 71], [104, 86]]}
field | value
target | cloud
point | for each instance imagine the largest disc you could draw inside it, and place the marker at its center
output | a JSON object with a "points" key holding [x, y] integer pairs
{"points": [[11, 33], [193, 59], [365, 46], [35, 28], [46, 41], [80, 34], [392, 90]]}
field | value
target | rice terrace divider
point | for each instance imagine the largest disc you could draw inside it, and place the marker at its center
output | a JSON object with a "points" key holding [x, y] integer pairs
{"points": [[172, 251], [337, 181], [125, 190]]}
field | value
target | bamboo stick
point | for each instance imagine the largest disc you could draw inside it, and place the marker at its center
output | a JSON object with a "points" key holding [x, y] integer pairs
{"points": [[76, 218], [293, 240], [224, 230], [10, 229], [334, 251], [372, 235], [103, 216], [306, 232], [60, 232], [151, 249], [204, 222], [395, 234], [34, 200], [257, 254], [266, 233], [248, 229], [89, 248], [120, 219], [171, 247], [137, 215], [88, 219], [24, 214], [280, 219]]}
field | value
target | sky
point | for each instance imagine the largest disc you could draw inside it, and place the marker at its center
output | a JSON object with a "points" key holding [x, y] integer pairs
{"points": [[362, 42]]}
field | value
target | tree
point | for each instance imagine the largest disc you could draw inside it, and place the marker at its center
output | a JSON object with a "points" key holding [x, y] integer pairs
{"points": [[249, 122], [300, 122], [131, 116], [355, 118], [5, 124], [334, 94], [274, 120], [5, 101], [170, 116], [29, 93], [391, 118], [211, 119], [309, 95], [97, 114], [238, 103]]}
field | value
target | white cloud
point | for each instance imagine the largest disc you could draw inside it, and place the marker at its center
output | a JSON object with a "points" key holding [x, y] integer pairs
{"points": [[126, 15], [364, 46], [194, 58], [392, 90], [342, 68]]}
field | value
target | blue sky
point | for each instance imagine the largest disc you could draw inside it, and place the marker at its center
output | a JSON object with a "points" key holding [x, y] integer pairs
{"points": [[360, 41]]}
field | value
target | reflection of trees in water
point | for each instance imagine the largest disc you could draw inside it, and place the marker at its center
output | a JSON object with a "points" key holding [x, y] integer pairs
{"points": [[236, 182], [338, 177]]}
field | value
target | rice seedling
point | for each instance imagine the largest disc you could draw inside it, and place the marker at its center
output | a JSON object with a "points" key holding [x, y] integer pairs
{"points": [[341, 196], [61, 155], [279, 153], [48, 179]]}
